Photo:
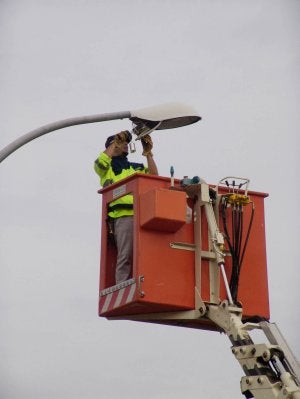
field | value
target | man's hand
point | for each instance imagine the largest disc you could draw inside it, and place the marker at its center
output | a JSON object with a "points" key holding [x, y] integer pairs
{"points": [[118, 144], [147, 145], [121, 138]]}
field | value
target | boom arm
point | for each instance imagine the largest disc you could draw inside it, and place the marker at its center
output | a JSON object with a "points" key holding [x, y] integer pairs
{"points": [[271, 369]]}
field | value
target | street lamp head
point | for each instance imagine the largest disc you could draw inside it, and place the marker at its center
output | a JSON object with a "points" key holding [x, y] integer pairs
{"points": [[165, 116]]}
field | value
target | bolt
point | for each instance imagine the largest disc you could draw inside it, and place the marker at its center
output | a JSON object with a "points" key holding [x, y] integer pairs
{"points": [[248, 381], [265, 355], [260, 380], [242, 350], [253, 351]]}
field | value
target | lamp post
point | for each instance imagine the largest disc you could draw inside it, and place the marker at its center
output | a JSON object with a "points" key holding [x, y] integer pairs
{"points": [[165, 116]]}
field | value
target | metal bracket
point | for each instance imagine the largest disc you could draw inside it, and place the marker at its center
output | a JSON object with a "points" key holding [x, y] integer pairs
{"points": [[139, 284], [191, 247], [117, 287], [229, 318], [199, 304]]}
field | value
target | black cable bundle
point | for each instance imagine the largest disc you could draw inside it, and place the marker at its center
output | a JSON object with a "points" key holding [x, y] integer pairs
{"points": [[235, 240]]}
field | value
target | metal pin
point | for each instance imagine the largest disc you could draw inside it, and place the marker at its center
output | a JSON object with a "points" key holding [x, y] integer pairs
{"points": [[172, 176], [132, 147]]}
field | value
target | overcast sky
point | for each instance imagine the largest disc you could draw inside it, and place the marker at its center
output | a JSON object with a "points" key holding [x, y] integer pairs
{"points": [[237, 63]]}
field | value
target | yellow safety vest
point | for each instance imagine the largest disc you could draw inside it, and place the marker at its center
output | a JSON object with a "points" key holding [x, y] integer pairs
{"points": [[122, 206]]}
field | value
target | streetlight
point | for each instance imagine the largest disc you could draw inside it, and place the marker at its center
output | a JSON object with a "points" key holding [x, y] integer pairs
{"points": [[165, 116]]}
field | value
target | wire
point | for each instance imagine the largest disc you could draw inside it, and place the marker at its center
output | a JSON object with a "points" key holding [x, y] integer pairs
{"points": [[237, 246], [248, 232]]}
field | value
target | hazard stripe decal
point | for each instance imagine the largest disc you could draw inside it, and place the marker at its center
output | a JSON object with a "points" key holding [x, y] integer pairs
{"points": [[117, 297], [131, 293]]}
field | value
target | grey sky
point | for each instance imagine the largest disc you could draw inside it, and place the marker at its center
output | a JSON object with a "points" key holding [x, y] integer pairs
{"points": [[237, 62]]}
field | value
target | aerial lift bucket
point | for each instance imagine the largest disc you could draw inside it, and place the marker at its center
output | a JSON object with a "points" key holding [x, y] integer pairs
{"points": [[175, 274]]}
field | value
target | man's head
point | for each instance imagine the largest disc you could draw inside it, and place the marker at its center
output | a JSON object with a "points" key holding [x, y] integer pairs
{"points": [[120, 142], [109, 141]]}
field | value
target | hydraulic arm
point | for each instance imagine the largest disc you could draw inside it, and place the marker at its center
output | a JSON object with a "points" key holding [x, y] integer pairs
{"points": [[271, 370]]}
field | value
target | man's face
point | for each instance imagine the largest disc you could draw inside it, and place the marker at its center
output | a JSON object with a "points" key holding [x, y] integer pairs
{"points": [[122, 149]]}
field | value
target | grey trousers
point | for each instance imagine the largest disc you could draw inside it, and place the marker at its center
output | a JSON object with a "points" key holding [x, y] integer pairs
{"points": [[123, 228]]}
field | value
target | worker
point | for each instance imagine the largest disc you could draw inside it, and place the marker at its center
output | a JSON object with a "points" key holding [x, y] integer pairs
{"points": [[112, 166]]}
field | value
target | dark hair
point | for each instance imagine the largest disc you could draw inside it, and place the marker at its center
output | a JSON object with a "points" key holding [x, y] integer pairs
{"points": [[109, 140]]}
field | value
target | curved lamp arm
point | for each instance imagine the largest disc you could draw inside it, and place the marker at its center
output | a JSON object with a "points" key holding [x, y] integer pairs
{"points": [[33, 134]]}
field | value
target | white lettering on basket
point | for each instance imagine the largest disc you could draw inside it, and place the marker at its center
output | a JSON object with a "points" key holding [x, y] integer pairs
{"points": [[117, 192]]}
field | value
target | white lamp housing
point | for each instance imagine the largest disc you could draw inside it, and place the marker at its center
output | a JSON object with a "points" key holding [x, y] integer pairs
{"points": [[166, 116]]}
